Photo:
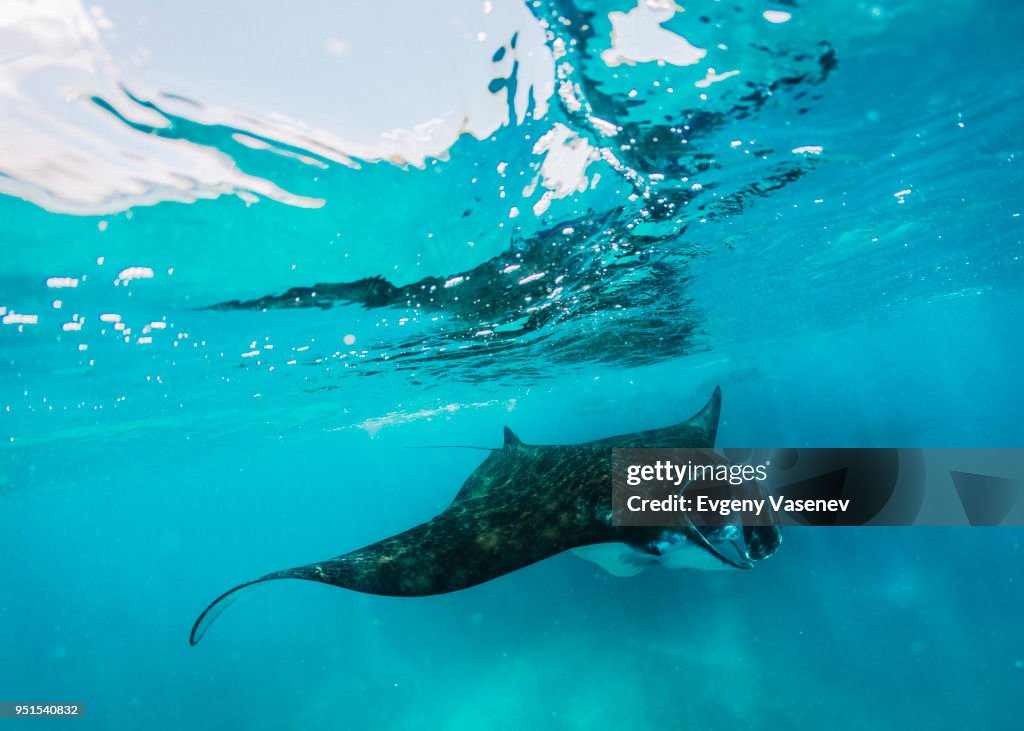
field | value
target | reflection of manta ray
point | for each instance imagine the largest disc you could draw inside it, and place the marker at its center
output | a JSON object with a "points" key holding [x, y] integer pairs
{"points": [[526, 503]]}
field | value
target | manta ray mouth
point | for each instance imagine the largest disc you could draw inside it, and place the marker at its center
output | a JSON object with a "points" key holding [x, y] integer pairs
{"points": [[737, 544], [740, 546]]}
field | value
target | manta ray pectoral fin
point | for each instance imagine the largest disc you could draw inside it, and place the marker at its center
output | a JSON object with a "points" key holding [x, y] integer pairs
{"points": [[326, 572], [225, 600], [697, 432], [457, 549], [707, 418], [618, 559]]}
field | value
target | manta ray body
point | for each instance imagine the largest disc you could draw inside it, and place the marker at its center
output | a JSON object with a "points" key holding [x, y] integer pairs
{"points": [[526, 503]]}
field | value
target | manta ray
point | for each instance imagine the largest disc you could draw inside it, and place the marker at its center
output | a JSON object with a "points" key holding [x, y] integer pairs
{"points": [[526, 503]]}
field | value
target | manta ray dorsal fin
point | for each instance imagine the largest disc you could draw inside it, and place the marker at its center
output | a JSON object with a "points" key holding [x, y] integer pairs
{"points": [[512, 442]]}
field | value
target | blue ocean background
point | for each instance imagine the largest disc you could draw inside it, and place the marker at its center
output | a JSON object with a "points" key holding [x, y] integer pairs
{"points": [[866, 295]]}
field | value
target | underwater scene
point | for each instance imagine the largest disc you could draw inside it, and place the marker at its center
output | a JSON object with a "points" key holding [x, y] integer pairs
{"points": [[283, 282]]}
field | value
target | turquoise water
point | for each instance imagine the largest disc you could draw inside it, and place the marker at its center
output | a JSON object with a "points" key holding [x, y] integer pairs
{"points": [[864, 294]]}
